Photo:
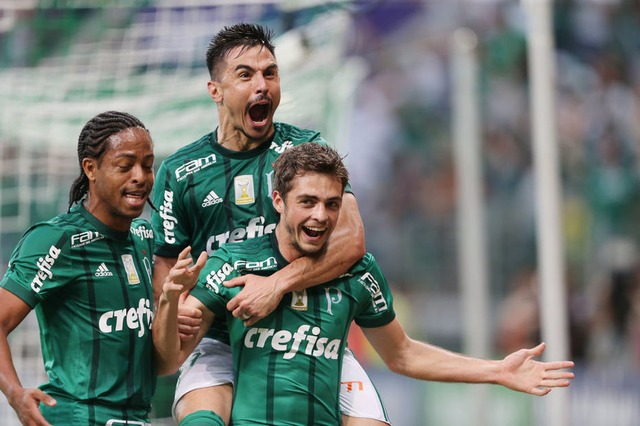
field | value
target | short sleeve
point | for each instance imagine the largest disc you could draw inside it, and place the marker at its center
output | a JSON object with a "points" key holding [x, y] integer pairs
{"points": [[377, 305], [40, 264], [169, 221], [209, 289]]}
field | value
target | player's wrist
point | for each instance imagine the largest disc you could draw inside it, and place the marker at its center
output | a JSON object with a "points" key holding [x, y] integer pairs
{"points": [[170, 296], [283, 285]]}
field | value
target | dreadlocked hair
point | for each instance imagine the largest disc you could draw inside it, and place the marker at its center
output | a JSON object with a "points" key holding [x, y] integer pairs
{"points": [[93, 143], [242, 34]]}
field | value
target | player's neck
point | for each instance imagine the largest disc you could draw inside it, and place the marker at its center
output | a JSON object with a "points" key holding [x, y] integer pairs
{"points": [[286, 247], [101, 211], [236, 140]]}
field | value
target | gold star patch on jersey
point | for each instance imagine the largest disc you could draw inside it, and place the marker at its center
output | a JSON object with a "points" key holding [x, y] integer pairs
{"points": [[243, 186]]}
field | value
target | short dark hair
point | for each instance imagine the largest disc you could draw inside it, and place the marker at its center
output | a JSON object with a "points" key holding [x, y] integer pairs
{"points": [[92, 143], [227, 39], [307, 157]]}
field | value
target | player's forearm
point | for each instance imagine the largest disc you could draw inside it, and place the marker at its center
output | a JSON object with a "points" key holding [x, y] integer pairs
{"points": [[424, 361], [9, 381], [346, 246], [165, 334], [161, 268], [428, 362]]}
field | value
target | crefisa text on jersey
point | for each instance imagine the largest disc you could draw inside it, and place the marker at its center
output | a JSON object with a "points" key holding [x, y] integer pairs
{"points": [[279, 340], [133, 318], [44, 265], [255, 228], [142, 232], [168, 220]]}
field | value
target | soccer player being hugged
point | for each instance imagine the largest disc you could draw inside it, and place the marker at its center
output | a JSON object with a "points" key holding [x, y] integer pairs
{"points": [[287, 364]]}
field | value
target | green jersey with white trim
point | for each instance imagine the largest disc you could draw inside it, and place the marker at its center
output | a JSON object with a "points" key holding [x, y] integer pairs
{"points": [[91, 290], [208, 195], [288, 364]]}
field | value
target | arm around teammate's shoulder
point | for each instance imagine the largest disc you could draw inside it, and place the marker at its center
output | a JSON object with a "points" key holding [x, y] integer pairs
{"points": [[261, 295]]}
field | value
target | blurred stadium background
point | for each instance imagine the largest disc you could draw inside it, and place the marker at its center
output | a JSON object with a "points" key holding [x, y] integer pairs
{"points": [[375, 77]]}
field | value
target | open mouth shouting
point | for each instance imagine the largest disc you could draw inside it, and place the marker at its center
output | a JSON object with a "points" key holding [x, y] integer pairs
{"points": [[259, 113]]}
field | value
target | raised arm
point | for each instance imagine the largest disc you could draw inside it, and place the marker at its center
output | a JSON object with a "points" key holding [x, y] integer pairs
{"points": [[420, 360], [24, 401], [189, 319], [261, 295], [170, 350], [161, 267]]}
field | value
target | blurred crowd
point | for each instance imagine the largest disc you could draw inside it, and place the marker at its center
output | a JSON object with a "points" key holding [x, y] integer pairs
{"points": [[403, 170]]}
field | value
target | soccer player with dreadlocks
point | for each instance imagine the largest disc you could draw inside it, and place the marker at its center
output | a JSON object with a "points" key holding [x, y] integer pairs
{"points": [[87, 274]]}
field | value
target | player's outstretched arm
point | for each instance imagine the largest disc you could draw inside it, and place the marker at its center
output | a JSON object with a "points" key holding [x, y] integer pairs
{"points": [[24, 401], [261, 295], [180, 279], [420, 360]]}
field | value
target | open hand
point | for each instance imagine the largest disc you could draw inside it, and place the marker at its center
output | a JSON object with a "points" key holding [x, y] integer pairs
{"points": [[184, 274], [522, 373]]}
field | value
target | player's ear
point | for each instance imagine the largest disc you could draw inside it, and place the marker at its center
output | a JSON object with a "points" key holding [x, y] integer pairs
{"points": [[89, 166], [278, 202], [213, 87]]}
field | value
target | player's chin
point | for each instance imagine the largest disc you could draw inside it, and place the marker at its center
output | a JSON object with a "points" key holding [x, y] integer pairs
{"points": [[259, 129], [313, 248], [133, 211], [135, 203]]}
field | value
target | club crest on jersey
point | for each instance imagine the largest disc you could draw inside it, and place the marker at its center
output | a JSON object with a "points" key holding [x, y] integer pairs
{"points": [[243, 186], [334, 296], [130, 268], [299, 300]]}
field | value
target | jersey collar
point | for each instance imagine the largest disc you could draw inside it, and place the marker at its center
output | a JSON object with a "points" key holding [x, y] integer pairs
{"points": [[282, 262], [101, 227]]}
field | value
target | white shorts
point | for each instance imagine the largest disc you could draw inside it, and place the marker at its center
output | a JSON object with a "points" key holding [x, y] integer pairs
{"points": [[211, 364], [358, 396]]}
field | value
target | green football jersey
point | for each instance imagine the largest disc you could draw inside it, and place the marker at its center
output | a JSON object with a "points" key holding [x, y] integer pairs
{"points": [[288, 364], [208, 195], [91, 290]]}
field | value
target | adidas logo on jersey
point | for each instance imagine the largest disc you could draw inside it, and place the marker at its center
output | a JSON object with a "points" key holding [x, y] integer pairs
{"points": [[103, 271], [211, 199]]}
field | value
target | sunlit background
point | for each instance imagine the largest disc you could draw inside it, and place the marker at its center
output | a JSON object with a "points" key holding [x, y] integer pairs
{"points": [[377, 78]]}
